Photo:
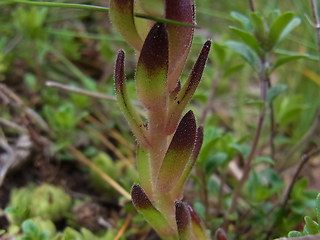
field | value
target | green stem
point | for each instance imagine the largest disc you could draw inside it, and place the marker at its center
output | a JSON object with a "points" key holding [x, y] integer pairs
{"points": [[64, 5], [101, 9]]}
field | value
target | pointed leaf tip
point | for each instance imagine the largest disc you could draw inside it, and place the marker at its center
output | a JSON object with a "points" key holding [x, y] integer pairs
{"points": [[221, 235], [144, 206], [154, 53], [177, 191], [152, 69], [198, 227], [183, 217], [183, 220], [194, 216], [140, 198], [119, 75], [187, 90], [198, 68], [185, 134]]}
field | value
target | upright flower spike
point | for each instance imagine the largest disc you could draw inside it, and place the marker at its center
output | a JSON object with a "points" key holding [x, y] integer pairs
{"points": [[180, 38], [178, 189], [152, 69], [187, 91], [178, 154], [197, 225], [122, 16], [144, 206], [135, 122], [183, 220]]}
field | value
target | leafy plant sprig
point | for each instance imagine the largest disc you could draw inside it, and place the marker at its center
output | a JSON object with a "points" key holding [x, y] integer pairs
{"points": [[168, 144]]}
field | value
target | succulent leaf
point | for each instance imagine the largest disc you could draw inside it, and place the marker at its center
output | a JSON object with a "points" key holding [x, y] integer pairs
{"points": [[178, 153], [153, 7], [177, 191], [183, 220], [144, 206], [180, 38], [197, 225], [221, 235], [125, 104], [187, 90], [152, 69], [122, 16]]}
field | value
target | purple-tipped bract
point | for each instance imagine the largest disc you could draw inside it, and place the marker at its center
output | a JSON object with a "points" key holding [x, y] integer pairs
{"points": [[152, 69], [178, 153], [187, 90]]}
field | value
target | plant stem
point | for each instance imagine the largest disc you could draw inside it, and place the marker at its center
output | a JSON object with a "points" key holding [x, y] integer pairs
{"points": [[251, 4], [158, 140], [272, 132], [264, 85], [306, 137], [304, 159], [315, 124]]}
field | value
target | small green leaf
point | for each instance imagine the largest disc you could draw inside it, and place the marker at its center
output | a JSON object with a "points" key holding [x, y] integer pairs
{"points": [[299, 188], [243, 19], [219, 53], [246, 52], [292, 24], [144, 206], [312, 226], [293, 234], [247, 38], [214, 161], [180, 38], [244, 150], [188, 89], [229, 70], [278, 28], [29, 227], [283, 60], [275, 91], [258, 26], [2, 231], [122, 16], [263, 159], [129, 111]]}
